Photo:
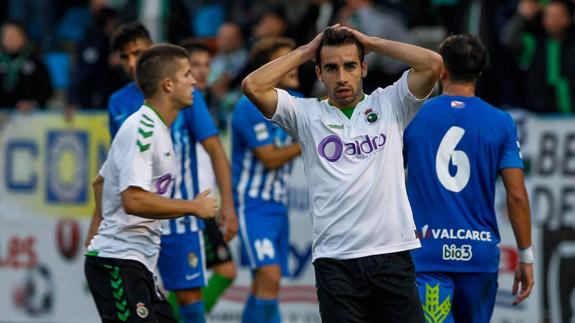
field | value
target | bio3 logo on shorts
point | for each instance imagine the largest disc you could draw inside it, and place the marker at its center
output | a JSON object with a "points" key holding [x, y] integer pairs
{"points": [[452, 252], [332, 147]]}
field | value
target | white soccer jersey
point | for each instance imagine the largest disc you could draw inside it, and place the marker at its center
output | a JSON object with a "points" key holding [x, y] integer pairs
{"points": [[358, 199], [141, 155]]}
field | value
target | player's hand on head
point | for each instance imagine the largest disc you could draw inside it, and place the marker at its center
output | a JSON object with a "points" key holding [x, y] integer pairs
{"points": [[364, 39], [523, 282], [206, 205], [228, 222]]}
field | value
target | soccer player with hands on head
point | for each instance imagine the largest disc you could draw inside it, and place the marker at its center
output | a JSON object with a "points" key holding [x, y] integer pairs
{"points": [[351, 145]]}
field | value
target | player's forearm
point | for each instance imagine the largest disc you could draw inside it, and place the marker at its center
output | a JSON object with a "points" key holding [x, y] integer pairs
{"points": [[98, 186], [222, 170], [94, 225], [259, 85], [520, 218], [152, 206], [416, 57], [278, 157]]}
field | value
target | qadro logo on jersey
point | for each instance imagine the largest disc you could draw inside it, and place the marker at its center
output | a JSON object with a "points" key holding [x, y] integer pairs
{"points": [[163, 183], [332, 147]]}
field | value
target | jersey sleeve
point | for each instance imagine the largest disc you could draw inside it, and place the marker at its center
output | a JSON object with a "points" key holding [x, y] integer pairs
{"points": [[288, 116], [198, 117], [510, 154], [404, 102], [133, 156], [251, 125]]}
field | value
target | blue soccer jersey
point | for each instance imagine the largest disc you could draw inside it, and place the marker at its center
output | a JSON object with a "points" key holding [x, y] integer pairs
{"points": [[193, 125], [260, 194], [254, 185], [454, 148]]}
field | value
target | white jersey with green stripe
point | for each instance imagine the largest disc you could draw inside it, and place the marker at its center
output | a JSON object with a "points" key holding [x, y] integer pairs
{"points": [[141, 156], [354, 165]]}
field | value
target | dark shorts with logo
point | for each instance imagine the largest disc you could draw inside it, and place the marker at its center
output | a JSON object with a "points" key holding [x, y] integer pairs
{"points": [[378, 288], [217, 251], [125, 291]]}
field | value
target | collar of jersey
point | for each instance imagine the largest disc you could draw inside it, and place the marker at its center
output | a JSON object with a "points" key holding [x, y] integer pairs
{"points": [[349, 109], [156, 112]]}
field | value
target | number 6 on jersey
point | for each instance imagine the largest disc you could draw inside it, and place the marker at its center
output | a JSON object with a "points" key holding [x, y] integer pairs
{"points": [[446, 153]]}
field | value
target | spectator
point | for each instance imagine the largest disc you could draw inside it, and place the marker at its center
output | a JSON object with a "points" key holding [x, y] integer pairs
{"points": [[24, 79], [166, 20], [271, 23], [227, 64], [547, 58], [364, 16], [95, 79]]}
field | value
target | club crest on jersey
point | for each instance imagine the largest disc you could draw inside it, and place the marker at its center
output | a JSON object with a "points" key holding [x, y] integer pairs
{"points": [[193, 260], [370, 116], [142, 310]]}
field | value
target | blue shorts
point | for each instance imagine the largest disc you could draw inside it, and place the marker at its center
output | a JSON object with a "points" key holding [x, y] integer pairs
{"points": [[457, 297], [182, 262], [264, 239]]}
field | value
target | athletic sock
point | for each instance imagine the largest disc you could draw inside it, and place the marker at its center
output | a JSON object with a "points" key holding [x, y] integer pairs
{"points": [[193, 313], [217, 285], [261, 311]]}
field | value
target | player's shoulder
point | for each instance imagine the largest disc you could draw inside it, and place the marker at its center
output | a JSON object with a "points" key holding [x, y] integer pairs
{"points": [[141, 127]]}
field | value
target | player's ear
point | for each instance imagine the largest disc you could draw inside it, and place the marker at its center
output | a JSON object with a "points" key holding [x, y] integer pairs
{"points": [[444, 74], [318, 72], [363, 68], [167, 84]]}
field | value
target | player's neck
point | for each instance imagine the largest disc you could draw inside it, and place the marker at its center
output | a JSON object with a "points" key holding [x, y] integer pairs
{"points": [[164, 109], [459, 89]]}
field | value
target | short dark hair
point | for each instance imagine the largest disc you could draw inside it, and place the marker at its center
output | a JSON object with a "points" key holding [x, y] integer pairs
{"points": [[194, 45], [127, 33], [568, 5], [15, 23], [464, 56], [155, 64], [264, 48], [334, 36]]}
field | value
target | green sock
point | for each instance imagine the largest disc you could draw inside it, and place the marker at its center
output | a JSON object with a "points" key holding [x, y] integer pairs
{"points": [[217, 285], [174, 303]]}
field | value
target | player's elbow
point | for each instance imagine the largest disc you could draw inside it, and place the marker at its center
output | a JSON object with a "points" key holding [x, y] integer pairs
{"points": [[99, 180], [248, 86], [131, 203], [435, 64]]}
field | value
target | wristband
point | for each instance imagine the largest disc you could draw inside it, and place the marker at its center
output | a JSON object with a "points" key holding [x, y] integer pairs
{"points": [[526, 255]]}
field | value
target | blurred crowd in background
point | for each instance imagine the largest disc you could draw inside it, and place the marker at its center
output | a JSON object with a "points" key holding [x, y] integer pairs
{"points": [[55, 54]]}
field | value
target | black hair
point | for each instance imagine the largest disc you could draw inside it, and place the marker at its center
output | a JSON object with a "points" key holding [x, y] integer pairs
{"points": [[127, 33], [155, 64], [464, 56], [333, 36], [194, 45], [264, 48]]}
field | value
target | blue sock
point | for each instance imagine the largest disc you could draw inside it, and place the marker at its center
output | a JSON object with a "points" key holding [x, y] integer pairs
{"points": [[261, 311], [249, 309], [193, 313]]}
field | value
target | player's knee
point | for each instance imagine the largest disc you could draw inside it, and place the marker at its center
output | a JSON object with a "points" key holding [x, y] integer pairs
{"points": [[188, 296], [227, 269], [269, 278]]}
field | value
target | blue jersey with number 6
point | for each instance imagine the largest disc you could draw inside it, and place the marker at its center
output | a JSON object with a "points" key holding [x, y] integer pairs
{"points": [[454, 148]]}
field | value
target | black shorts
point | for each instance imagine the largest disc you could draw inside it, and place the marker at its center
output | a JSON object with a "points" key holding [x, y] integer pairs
{"points": [[125, 291], [216, 248], [378, 288]]}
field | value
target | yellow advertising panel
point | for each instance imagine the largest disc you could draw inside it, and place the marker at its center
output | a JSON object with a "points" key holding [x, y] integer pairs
{"points": [[48, 164]]}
